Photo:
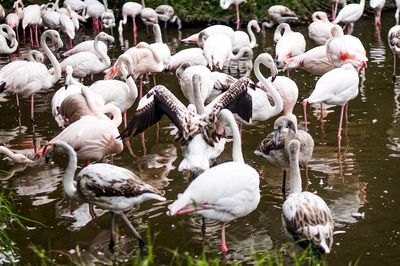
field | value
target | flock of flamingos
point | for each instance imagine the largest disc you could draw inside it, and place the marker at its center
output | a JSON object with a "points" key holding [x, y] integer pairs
{"points": [[90, 116]]}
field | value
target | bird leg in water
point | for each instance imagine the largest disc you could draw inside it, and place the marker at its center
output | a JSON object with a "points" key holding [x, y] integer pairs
{"points": [[284, 183], [33, 108], [142, 245], [305, 113], [134, 30], [237, 17], [203, 227], [154, 80], [224, 248], [340, 126], [30, 32], [112, 240], [394, 68], [36, 34], [125, 122], [143, 142]]}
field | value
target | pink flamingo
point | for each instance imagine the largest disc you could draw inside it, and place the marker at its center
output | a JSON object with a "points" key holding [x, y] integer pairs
{"points": [[131, 9], [225, 4], [32, 17], [336, 87]]}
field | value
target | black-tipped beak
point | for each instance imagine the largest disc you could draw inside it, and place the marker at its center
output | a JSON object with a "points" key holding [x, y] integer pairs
{"points": [[273, 78], [277, 134]]}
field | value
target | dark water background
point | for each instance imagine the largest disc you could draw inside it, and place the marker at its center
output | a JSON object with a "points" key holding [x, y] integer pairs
{"points": [[362, 177]]}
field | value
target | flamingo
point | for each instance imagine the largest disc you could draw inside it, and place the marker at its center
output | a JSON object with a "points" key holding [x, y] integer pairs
{"points": [[194, 38], [210, 195], [305, 215], [87, 46], [162, 49], [320, 29], [15, 157], [394, 44], [131, 9], [50, 17], [217, 49], [396, 15], [94, 9], [225, 4], [92, 137], [212, 83], [2, 12], [273, 147], [116, 92], [108, 186], [76, 5], [71, 87], [336, 87], [192, 122], [193, 56], [67, 25], [350, 14], [33, 76], [148, 15], [342, 49], [87, 63], [244, 40], [32, 17], [12, 20], [289, 43], [8, 35], [314, 61], [145, 59], [166, 13], [278, 14], [335, 4], [377, 5]]}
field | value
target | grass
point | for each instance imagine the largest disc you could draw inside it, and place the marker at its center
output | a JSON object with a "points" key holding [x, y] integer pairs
{"points": [[287, 254]]}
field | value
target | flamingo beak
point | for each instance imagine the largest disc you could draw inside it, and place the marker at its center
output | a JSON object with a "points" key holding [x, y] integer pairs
{"points": [[277, 133]]}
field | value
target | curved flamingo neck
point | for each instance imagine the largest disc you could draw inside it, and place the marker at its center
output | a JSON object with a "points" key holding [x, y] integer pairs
{"points": [[8, 153], [196, 80], [124, 65], [295, 177], [227, 117], [143, 4], [157, 33], [253, 41], [151, 49], [278, 102], [52, 58], [68, 178], [104, 58]]}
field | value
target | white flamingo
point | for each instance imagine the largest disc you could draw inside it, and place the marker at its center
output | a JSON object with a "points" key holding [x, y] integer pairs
{"points": [[15, 157], [213, 198], [289, 43], [244, 40], [377, 5], [116, 92], [278, 14], [320, 29], [350, 14], [5, 48], [225, 4], [166, 13], [32, 17], [394, 44], [106, 186], [87, 63], [342, 49], [336, 87], [32, 77], [193, 56]]}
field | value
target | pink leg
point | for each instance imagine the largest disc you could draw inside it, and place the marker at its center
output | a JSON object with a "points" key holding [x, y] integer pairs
{"points": [[125, 123], [37, 36], [237, 18], [335, 11], [30, 31], [100, 24], [134, 30], [24, 33], [224, 248], [32, 107], [305, 113], [339, 136]]}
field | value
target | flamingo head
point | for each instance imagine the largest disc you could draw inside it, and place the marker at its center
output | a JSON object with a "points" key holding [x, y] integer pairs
{"points": [[55, 36], [102, 36]]}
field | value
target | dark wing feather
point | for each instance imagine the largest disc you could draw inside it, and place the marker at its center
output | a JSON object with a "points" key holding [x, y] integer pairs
{"points": [[157, 102], [237, 100], [268, 145]]}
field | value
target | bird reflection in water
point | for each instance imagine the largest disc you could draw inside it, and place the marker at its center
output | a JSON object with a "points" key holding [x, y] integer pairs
{"points": [[337, 174], [394, 131]]}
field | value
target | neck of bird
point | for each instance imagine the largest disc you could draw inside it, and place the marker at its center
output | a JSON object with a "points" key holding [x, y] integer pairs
{"points": [[295, 177], [104, 58], [8, 153], [68, 178], [227, 117], [253, 41], [128, 79]]}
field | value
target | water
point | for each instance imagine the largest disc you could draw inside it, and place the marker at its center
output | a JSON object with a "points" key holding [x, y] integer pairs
{"points": [[360, 178]]}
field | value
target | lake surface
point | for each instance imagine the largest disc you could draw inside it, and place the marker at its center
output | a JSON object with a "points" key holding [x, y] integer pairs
{"points": [[362, 177]]}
